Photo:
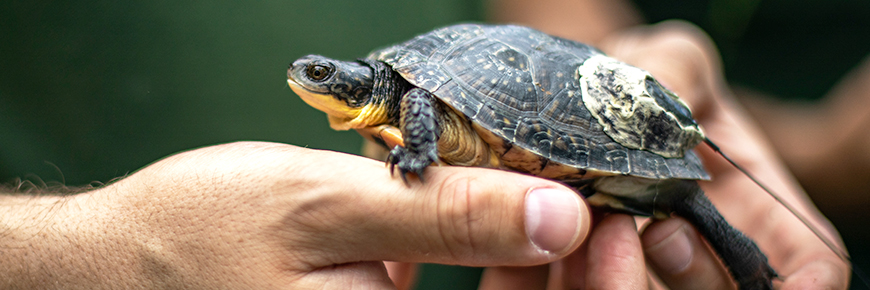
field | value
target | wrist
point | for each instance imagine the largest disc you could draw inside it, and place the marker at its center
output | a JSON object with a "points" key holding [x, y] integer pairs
{"points": [[50, 241]]}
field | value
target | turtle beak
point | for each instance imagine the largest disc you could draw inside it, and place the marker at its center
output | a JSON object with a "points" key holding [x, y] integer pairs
{"points": [[293, 72]]}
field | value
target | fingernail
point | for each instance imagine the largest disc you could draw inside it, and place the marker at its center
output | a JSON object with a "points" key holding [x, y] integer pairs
{"points": [[552, 218], [673, 253]]}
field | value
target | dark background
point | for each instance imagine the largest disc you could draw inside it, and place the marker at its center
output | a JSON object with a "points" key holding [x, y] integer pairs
{"points": [[93, 90]]}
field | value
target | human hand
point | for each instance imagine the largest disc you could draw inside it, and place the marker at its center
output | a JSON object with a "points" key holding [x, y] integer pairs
{"points": [[273, 216], [682, 58]]}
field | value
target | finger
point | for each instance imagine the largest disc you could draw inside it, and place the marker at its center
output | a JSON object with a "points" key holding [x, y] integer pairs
{"points": [[469, 216], [570, 271], [821, 273], [373, 275], [615, 259], [678, 54], [498, 278], [680, 257], [404, 275]]}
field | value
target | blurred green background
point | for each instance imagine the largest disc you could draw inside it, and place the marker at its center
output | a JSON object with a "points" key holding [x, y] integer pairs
{"points": [[93, 90]]}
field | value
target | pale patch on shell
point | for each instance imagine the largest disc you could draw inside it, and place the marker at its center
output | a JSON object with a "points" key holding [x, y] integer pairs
{"points": [[625, 107]]}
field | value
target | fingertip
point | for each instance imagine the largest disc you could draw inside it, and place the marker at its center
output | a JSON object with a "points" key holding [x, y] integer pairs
{"points": [[668, 246], [680, 257], [505, 278], [615, 259], [556, 219], [404, 275], [822, 273]]}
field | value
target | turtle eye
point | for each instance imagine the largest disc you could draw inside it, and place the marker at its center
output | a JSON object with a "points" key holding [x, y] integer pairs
{"points": [[318, 72]]}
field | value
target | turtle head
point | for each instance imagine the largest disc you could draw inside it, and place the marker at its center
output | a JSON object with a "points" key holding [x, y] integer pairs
{"points": [[341, 89]]}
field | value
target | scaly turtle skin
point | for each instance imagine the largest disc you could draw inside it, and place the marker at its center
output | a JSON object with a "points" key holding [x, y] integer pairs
{"points": [[514, 98]]}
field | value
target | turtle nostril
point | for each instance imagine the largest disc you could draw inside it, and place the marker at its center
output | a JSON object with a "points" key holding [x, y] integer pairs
{"points": [[290, 70]]}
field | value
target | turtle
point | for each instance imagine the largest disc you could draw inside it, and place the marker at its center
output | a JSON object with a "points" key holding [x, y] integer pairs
{"points": [[515, 98]]}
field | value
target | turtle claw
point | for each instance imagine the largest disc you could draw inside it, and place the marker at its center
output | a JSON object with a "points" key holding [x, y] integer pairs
{"points": [[403, 173], [408, 161]]}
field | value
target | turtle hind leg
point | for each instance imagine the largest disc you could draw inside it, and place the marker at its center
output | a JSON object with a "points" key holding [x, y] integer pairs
{"points": [[419, 126], [741, 255]]}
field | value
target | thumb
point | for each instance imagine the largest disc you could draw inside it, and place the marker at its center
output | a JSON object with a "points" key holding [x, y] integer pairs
{"points": [[466, 216]]}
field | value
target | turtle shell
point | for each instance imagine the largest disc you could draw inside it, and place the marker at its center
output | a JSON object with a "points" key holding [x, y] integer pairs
{"points": [[523, 85]]}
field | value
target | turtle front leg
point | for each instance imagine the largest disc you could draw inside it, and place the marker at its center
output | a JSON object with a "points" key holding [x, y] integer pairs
{"points": [[419, 126]]}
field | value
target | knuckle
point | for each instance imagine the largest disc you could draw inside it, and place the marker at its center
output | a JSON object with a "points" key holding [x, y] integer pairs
{"points": [[461, 215], [687, 41]]}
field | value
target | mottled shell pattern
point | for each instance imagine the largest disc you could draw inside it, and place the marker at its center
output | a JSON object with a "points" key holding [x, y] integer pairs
{"points": [[555, 98]]}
